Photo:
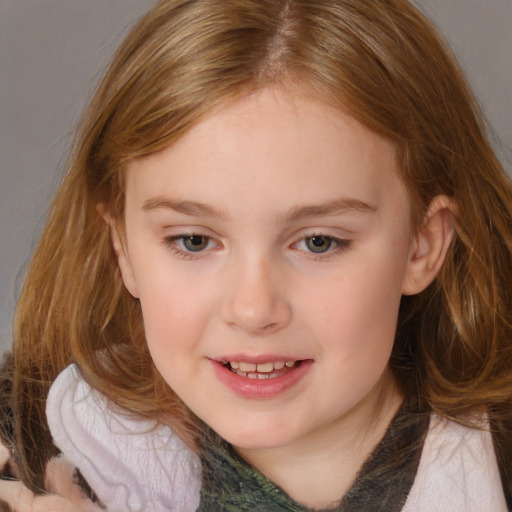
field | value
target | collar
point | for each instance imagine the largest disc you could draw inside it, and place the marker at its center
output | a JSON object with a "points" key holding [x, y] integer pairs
{"points": [[382, 484], [132, 465]]}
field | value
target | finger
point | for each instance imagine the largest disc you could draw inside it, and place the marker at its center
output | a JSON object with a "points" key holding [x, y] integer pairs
{"points": [[59, 479], [16, 495]]}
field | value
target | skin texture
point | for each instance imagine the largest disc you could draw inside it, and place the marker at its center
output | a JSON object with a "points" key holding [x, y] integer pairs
{"points": [[273, 173]]}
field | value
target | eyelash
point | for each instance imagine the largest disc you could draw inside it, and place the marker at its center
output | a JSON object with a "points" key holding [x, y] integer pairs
{"points": [[173, 242], [336, 245]]}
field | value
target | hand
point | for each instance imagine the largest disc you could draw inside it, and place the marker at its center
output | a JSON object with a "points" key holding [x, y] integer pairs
{"points": [[66, 495]]}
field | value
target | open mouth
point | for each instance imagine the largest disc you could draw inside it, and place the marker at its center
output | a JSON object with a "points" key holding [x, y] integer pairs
{"points": [[266, 378], [268, 370]]}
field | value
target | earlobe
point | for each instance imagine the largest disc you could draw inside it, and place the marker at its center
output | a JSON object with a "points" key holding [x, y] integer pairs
{"points": [[123, 260], [430, 245]]}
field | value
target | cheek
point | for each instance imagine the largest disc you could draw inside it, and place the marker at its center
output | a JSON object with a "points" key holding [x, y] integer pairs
{"points": [[355, 317], [366, 298], [175, 312]]}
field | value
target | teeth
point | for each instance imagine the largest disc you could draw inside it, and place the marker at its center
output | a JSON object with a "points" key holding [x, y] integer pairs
{"points": [[260, 370], [253, 375], [265, 367], [247, 367]]}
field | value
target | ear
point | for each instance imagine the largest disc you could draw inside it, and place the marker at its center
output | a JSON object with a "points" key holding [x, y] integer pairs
{"points": [[430, 245], [123, 260]]}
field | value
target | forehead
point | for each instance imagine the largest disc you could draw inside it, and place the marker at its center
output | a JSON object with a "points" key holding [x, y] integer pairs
{"points": [[271, 148]]}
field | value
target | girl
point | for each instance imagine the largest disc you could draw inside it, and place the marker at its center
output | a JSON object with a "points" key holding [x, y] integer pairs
{"points": [[275, 276]]}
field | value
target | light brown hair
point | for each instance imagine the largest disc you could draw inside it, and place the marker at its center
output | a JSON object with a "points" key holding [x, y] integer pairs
{"points": [[379, 60]]}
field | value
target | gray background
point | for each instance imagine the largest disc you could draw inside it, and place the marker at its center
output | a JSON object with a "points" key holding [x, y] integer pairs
{"points": [[51, 56]]}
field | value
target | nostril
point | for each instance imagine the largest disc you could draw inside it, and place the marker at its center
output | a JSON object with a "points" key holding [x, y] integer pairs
{"points": [[270, 327]]}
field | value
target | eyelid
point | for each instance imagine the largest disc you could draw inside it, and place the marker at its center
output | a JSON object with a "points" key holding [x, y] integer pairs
{"points": [[339, 243], [171, 242], [342, 244]]}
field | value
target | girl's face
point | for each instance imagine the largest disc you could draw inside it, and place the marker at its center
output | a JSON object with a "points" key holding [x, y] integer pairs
{"points": [[269, 249]]}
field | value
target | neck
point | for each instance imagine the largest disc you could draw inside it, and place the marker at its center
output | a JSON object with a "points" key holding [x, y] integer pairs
{"points": [[318, 469]]}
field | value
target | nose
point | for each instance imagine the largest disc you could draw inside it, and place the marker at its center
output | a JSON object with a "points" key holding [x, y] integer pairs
{"points": [[256, 301]]}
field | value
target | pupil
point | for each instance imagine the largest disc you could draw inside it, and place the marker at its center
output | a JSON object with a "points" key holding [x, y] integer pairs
{"points": [[195, 242], [318, 243]]}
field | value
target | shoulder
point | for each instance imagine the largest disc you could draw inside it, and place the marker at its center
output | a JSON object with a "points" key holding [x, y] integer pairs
{"points": [[458, 470], [131, 464]]}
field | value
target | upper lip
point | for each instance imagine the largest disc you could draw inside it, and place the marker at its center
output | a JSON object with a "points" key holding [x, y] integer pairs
{"points": [[257, 359]]}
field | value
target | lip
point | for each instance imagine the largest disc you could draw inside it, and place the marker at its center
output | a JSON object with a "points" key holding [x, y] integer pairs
{"points": [[256, 388]]}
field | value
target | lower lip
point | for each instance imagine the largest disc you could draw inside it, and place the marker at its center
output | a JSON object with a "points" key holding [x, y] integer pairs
{"points": [[261, 388]]}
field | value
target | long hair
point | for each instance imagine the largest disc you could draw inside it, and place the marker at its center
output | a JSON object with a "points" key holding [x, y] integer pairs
{"points": [[377, 60]]}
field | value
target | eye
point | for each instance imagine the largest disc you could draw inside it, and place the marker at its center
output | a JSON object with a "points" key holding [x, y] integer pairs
{"points": [[318, 244], [195, 243], [322, 244], [189, 244]]}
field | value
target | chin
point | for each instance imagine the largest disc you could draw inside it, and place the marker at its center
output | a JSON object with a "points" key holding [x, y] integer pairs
{"points": [[256, 438]]}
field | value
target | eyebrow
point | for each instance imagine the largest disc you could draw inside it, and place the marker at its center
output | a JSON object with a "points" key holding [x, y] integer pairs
{"points": [[192, 208], [196, 209], [334, 207]]}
